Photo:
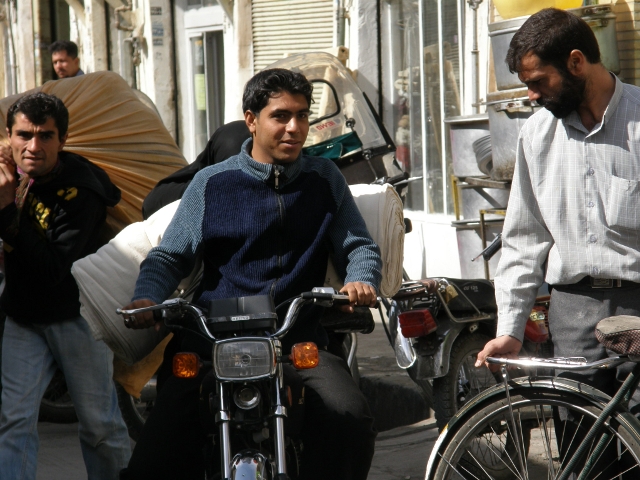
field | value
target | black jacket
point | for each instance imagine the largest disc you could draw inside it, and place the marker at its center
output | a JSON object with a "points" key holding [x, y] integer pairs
{"points": [[60, 222], [225, 142]]}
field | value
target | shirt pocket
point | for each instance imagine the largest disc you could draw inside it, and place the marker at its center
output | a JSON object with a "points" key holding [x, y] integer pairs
{"points": [[623, 204]]}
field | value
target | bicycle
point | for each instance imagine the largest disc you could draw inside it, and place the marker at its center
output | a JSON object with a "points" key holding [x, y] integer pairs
{"points": [[548, 427]]}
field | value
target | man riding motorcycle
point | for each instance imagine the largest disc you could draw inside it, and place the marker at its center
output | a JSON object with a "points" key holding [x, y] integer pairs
{"points": [[264, 222]]}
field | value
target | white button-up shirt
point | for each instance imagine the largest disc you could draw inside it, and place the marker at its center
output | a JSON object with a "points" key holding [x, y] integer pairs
{"points": [[574, 209]]}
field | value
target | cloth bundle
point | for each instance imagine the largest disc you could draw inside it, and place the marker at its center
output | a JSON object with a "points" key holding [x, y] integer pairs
{"points": [[107, 279], [111, 126], [381, 208]]}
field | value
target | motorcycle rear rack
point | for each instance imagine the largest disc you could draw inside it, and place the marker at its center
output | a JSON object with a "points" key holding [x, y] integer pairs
{"points": [[479, 316]]}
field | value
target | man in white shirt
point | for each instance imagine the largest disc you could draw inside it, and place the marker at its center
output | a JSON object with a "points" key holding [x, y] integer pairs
{"points": [[574, 213]]}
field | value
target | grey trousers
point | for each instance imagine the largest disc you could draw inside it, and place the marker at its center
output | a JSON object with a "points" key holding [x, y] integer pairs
{"points": [[574, 313]]}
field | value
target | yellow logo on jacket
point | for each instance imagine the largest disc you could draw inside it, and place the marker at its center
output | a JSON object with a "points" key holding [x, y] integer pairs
{"points": [[68, 193]]}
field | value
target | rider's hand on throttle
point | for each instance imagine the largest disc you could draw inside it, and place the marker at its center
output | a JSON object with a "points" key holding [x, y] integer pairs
{"points": [[140, 320], [503, 347], [359, 294]]}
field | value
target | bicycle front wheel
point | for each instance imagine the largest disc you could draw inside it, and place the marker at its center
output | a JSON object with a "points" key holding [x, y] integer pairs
{"points": [[535, 437]]}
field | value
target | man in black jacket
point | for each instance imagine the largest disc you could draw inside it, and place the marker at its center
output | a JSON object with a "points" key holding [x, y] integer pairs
{"points": [[52, 205]]}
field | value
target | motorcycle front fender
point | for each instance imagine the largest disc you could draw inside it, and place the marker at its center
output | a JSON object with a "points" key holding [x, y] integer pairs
{"points": [[436, 364], [249, 465]]}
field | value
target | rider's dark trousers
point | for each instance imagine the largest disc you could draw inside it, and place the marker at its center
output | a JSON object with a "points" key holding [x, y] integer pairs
{"points": [[574, 313], [338, 433]]}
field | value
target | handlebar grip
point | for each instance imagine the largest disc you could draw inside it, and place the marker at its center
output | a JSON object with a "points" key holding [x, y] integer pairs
{"points": [[339, 299], [397, 178], [157, 315]]}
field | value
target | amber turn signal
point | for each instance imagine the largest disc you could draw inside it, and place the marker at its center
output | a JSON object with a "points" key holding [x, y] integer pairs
{"points": [[186, 365], [304, 355]]}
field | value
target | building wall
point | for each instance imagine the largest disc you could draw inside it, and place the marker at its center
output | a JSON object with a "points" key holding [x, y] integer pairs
{"points": [[627, 26]]}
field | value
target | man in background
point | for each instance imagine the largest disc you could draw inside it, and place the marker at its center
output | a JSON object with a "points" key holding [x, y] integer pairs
{"points": [[64, 55]]}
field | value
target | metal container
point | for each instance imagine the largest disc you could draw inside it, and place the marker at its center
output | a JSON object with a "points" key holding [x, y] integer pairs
{"points": [[463, 131], [508, 110], [600, 18], [470, 245]]}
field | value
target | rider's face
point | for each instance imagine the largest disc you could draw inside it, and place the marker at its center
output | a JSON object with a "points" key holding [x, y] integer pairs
{"points": [[280, 129]]}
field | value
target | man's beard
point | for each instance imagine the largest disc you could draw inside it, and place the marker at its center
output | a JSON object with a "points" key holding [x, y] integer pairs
{"points": [[569, 98]]}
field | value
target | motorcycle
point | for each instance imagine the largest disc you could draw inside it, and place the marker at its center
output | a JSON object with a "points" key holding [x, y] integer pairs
{"points": [[246, 392], [438, 326]]}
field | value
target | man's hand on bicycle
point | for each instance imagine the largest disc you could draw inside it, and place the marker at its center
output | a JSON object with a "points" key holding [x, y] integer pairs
{"points": [[359, 294], [504, 347], [141, 320]]}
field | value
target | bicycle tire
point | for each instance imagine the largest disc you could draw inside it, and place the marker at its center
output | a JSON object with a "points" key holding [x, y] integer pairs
{"points": [[481, 429], [463, 381]]}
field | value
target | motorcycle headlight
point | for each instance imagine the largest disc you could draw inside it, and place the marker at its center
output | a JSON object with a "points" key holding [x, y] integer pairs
{"points": [[244, 359]]}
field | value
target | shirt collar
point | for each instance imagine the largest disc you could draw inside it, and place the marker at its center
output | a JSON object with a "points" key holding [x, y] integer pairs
{"points": [[573, 119], [264, 171]]}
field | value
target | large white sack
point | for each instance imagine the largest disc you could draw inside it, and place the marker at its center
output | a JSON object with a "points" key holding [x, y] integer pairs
{"points": [[381, 209], [107, 279]]}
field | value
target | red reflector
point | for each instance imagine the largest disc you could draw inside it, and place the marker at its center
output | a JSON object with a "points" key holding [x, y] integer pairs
{"points": [[536, 329], [417, 323]]}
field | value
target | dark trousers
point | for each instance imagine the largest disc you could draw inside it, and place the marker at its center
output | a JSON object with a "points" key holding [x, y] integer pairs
{"points": [[337, 434], [573, 315]]}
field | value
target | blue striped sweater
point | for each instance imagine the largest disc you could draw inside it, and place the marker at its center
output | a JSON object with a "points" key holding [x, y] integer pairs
{"points": [[262, 229]]}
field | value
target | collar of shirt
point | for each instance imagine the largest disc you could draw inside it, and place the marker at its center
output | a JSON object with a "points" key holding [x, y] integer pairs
{"points": [[573, 119], [264, 171]]}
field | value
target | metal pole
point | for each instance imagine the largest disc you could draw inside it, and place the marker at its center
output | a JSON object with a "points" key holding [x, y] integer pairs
{"points": [[475, 53]]}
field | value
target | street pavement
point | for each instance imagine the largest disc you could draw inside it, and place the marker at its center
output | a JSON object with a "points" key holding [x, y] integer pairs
{"points": [[401, 453], [403, 445]]}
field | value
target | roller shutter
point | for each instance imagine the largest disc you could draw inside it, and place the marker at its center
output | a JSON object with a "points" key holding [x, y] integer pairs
{"points": [[289, 26]]}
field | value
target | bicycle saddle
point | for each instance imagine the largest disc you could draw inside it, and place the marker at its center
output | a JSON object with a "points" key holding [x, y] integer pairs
{"points": [[620, 334]]}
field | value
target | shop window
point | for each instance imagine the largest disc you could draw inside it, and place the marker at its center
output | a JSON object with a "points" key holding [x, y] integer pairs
{"points": [[207, 67], [422, 56]]}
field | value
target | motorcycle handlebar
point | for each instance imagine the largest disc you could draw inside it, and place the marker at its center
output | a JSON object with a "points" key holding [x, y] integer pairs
{"points": [[322, 296]]}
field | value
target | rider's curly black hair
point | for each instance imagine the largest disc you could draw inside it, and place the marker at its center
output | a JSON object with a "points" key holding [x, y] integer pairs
{"points": [[38, 107], [270, 82]]}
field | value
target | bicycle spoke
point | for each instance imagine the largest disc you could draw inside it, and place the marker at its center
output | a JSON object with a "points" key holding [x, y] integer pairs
{"points": [[455, 469], [546, 442]]}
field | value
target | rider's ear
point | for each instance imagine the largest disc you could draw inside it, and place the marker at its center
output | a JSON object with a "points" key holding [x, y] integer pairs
{"points": [[251, 119]]}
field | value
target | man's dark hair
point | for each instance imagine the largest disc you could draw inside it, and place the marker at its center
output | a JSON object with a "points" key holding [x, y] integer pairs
{"points": [[38, 107], [552, 34], [270, 82], [66, 45]]}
